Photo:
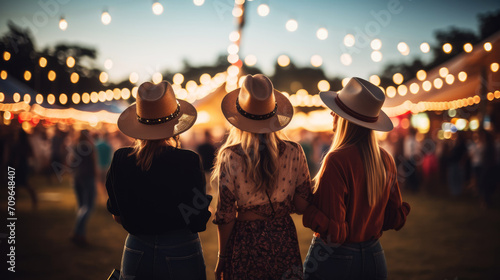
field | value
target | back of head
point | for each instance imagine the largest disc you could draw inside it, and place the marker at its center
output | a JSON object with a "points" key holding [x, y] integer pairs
{"points": [[347, 134], [260, 155]]}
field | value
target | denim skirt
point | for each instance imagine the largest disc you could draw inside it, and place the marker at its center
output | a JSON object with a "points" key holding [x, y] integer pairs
{"points": [[365, 260], [176, 255]]}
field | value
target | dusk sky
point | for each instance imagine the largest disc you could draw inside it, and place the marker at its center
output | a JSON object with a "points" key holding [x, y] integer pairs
{"points": [[136, 40]]}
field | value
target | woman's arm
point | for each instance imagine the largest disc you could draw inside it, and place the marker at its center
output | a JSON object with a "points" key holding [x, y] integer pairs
{"points": [[326, 215]]}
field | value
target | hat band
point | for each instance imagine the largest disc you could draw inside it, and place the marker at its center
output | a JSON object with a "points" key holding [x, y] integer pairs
{"points": [[253, 116], [162, 119], [353, 113]]}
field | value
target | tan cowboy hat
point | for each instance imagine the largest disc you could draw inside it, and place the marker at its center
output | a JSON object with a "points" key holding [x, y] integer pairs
{"points": [[157, 114], [257, 107], [359, 102]]}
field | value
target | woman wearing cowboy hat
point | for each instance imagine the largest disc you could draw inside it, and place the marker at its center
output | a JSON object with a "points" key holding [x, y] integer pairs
{"points": [[157, 191], [356, 193], [262, 179]]}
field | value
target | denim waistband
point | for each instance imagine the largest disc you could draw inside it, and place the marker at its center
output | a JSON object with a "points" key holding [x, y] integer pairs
{"points": [[351, 246], [171, 239]]}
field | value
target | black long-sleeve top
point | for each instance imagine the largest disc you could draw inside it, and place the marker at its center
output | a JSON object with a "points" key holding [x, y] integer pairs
{"points": [[171, 195]]}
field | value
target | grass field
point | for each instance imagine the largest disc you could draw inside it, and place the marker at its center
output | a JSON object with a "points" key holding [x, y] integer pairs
{"points": [[444, 238]]}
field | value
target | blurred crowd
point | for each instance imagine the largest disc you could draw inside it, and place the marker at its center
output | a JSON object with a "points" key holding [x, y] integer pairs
{"points": [[466, 164]]}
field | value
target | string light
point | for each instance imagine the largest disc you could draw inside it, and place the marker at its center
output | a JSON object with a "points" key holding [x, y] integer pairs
{"points": [[438, 83], [316, 60], [75, 98], [450, 79], [397, 78], [376, 56], [468, 47], [51, 75], [427, 85], [402, 90], [74, 77], [157, 78], [63, 98], [6, 56], [237, 12], [390, 91], [198, 2], [414, 88], [27, 98], [494, 67], [346, 59], [323, 85], [70, 61], [16, 97], [234, 36], [421, 75], [283, 60], [63, 24], [103, 77], [292, 25], [27, 75], [39, 98], [488, 46], [105, 18], [42, 62], [133, 77], [403, 48], [447, 48], [263, 10], [374, 79], [322, 33], [462, 76], [250, 60], [157, 8], [178, 79], [349, 40], [443, 71], [108, 64], [376, 44], [424, 47]]}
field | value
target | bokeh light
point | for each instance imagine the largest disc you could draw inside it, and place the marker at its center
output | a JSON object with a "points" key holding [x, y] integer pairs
{"points": [[424, 47], [322, 33], [263, 10], [349, 40], [376, 56], [283, 60], [376, 44], [292, 25], [346, 59]]}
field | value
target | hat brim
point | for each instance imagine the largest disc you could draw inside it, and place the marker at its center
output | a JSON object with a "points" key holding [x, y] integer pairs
{"points": [[383, 122], [130, 126], [279, 121]]}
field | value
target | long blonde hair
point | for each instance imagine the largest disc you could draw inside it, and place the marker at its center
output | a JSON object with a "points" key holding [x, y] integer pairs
{"points": [[260, 153], [347, 134], [145, 150]]}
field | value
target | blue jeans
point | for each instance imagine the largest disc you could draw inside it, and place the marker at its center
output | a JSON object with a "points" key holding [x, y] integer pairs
{"points": [[85, 196], [176, 255], [365, 260]]}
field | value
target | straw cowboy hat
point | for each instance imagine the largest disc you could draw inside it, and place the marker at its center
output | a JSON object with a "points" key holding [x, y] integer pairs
{"points": [[157, 114], [257, 107], [359, 102]]}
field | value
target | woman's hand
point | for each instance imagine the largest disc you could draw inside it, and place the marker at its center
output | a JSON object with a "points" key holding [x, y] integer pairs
{"points": [[219, 267]]}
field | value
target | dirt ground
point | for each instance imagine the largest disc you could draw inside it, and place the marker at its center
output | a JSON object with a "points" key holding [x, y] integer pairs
{"points": [[444, 238]]}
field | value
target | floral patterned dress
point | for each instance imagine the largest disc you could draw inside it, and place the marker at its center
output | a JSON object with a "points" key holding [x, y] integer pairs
{"points": [[263, 249]]}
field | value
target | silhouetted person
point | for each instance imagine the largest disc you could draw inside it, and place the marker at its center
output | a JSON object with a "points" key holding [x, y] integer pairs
{"points": [[487, 177], [83, 161], [456, 165], [207, 152], [19, 157]]}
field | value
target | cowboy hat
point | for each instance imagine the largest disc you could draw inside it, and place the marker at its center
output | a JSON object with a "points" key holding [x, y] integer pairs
{"points": [[156, 114], [257, 107], [359, 102]]}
